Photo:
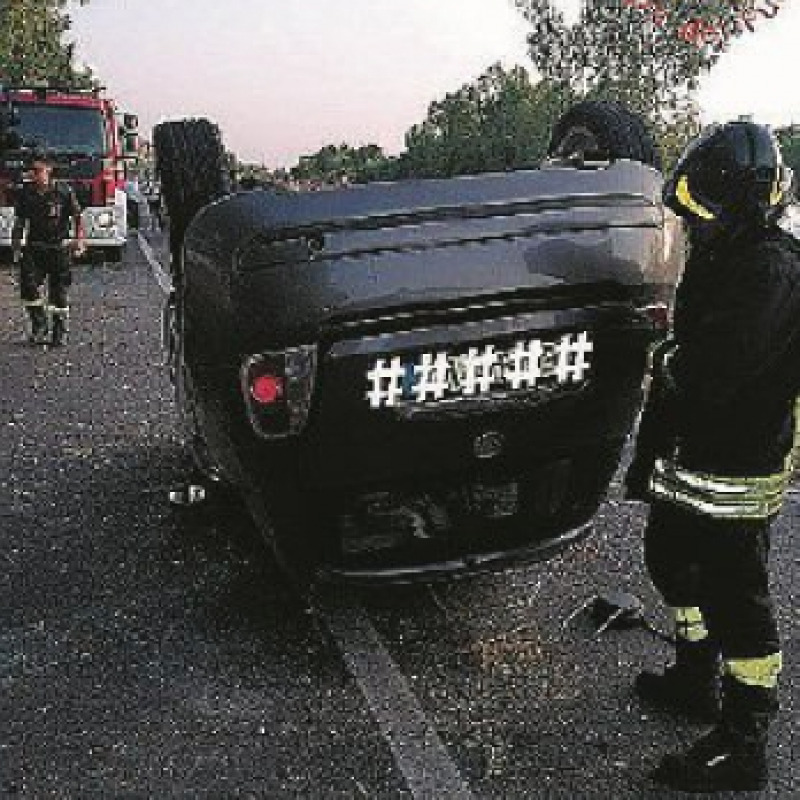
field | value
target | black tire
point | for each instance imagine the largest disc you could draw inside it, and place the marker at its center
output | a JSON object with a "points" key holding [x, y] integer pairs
{"points": [[190, 163], [602, 130], [113, 255]]}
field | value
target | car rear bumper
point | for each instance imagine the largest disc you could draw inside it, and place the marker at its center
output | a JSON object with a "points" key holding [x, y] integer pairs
{"points": [[455, 567], [436, 526]]}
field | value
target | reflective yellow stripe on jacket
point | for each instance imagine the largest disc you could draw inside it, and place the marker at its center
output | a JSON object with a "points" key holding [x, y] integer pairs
{"points": [[726, 497], [718, 496]]}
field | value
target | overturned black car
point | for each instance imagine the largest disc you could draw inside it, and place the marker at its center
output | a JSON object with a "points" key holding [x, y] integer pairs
{"points": [[426, 377]]}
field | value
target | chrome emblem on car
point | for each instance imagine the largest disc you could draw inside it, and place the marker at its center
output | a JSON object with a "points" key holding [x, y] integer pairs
{"points": [[488, 445]]}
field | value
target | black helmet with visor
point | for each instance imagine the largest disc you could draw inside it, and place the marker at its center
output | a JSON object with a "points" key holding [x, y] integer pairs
{"points": [[731, 177]]}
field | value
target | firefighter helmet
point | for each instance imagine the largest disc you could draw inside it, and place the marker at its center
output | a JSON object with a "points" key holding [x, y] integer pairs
{"points": [[731, 176]]}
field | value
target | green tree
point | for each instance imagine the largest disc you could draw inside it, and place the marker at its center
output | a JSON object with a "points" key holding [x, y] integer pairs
{"points": [[33, 49], [649, 54], [341, 164], [500, 121]]}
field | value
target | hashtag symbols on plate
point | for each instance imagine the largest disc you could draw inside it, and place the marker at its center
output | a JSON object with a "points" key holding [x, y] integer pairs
{"points": [[571, 357], [524, 364], [386, 382], [479, 370], [431, 377]]}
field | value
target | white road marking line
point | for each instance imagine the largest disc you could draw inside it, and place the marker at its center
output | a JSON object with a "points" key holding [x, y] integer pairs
{"points": [[162, 278], [418, 752]]}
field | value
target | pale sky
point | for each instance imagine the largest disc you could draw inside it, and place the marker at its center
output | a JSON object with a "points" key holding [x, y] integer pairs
{"points": [[285, 77]]}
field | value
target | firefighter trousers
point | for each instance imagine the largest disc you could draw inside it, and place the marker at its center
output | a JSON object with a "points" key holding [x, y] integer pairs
{"points": [[721, 567], [53, 264]]}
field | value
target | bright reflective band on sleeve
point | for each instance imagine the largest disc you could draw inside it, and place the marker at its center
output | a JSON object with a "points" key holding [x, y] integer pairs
{"points": [[689, 624], [762, 672], [718, 496], [688, 202], [776, 194], [34, 303]]}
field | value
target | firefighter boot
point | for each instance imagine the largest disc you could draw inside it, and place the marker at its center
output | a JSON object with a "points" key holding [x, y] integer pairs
{"points": [[59, 333], [733, 755], [38, 325], [689, 687]]}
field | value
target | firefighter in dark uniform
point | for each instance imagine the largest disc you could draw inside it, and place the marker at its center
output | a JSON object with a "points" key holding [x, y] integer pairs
{"points": [[48, 210], [714, 453]]}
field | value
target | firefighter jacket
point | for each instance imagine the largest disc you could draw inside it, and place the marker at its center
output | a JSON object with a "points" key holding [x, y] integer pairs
{"points": [[717, 432], [49, 213]]}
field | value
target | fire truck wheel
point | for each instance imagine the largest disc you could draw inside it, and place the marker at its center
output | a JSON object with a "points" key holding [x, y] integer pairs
{"points": [[113, 255], [191, 165], [602, 130]]}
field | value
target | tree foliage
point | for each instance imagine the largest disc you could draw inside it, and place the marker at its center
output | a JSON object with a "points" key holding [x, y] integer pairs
{"points": [[648, 54], [341, 163], [790, 147], [33, 47], [500, 121]]}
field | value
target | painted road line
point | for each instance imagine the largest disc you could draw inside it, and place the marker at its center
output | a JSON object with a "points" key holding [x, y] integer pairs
{"points": [[419, 753], [162, 278], [416, 748]]}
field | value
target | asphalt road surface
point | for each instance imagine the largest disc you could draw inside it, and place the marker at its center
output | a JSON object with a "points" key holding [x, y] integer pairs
{"points": [[152, 652]]}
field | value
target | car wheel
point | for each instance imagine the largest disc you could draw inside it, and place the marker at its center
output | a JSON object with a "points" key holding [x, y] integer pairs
{"points": [[190, 163], [602, 130]]}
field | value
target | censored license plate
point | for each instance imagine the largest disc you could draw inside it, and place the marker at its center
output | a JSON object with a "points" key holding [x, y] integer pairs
{"points": [[524, 365]]}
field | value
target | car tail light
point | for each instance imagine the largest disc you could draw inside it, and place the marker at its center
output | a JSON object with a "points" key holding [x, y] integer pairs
{"points": [[267, 389], [277, 389]]}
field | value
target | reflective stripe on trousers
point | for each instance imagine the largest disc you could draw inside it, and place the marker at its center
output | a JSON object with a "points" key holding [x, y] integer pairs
{"points": [[761, 672], [689, 624]]}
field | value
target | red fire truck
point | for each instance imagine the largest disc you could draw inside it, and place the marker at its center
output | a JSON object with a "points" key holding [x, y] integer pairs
{"points": [[89, 143]]}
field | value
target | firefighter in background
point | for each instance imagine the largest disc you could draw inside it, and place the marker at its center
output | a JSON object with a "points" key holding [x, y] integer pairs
{"points": [[713, 453], [49, 211]]}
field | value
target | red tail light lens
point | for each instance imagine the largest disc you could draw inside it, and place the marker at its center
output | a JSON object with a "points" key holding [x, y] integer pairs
{"points": [[658, 314], [277, 389], [267, 389]]}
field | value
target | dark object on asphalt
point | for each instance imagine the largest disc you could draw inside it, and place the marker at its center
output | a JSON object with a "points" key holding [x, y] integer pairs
{"points": [[732, 757], [189, 495], [616, 611], [420, 378], [690, 687]]}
